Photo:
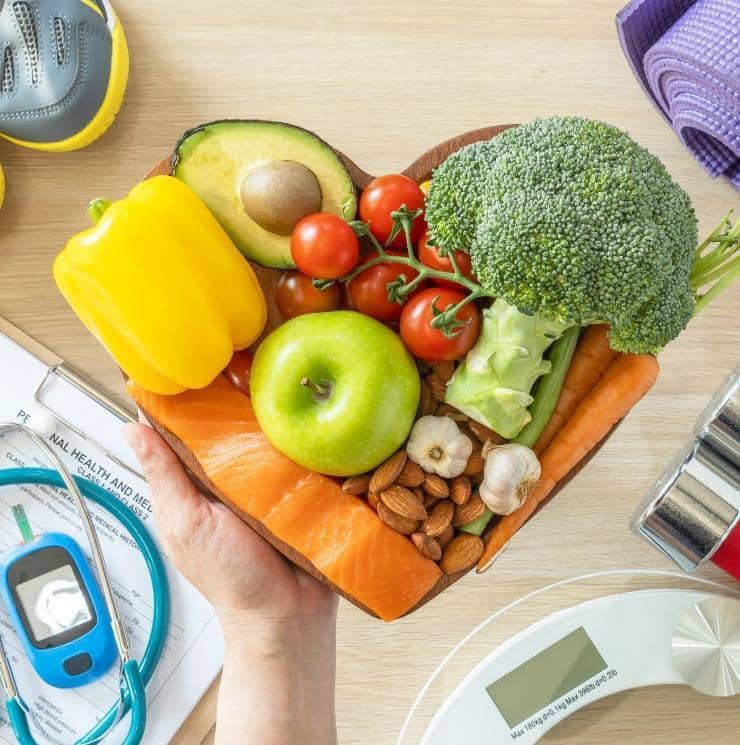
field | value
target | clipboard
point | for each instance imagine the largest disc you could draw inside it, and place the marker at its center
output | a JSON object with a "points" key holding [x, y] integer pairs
{"points": [[201, 720], [57, 367]]}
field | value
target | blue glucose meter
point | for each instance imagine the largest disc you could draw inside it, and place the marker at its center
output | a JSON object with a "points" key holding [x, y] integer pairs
{"points": [[58, 610]]}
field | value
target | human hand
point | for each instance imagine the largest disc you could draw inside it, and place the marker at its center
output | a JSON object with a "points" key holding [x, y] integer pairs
{"points": [[278, 622], [237, 570]]}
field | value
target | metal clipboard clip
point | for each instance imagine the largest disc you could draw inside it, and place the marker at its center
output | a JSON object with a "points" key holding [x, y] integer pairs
{"points": [[84, 387]]}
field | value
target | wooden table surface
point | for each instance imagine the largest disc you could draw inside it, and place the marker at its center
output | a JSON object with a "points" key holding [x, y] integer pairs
{"points": [[383, 81]]}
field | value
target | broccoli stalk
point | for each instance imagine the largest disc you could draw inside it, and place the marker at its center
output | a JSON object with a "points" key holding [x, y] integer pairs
{"points": [[493, 384]]}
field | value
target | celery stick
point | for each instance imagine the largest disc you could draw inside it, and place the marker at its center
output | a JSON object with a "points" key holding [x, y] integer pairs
{"points": [[548, 391], [479, 525]]}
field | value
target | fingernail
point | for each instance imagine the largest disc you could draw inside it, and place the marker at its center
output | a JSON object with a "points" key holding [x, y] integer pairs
{"points": [[132, 435]]}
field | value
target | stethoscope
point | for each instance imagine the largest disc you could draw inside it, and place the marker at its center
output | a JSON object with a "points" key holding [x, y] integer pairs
{"points": [[134, 674]]}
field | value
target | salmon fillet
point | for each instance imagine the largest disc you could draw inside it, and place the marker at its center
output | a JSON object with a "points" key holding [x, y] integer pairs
{"points": [[337, 532]]}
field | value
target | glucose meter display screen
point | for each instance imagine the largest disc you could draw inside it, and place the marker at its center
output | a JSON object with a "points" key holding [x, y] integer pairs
{"points": [[54, 603], [546, 677]]}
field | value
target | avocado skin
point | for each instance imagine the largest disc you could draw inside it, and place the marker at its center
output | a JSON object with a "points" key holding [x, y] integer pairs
{"points": [[266, 249]]}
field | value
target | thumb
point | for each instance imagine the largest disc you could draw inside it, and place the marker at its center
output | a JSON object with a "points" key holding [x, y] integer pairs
{"points": [[178, 506]]}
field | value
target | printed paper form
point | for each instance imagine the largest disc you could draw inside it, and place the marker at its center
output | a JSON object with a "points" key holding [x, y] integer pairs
{"points": [[193, 652]]}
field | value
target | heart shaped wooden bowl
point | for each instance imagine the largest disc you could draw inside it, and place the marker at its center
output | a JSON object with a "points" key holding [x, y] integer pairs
{"points": [[419, 170]]}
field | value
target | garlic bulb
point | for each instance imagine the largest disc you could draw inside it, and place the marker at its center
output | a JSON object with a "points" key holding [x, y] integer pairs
{"points": [[511, 473], [438, 446]]}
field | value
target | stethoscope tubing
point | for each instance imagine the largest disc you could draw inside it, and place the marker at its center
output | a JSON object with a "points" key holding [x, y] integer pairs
{"points": [[135, 674]]}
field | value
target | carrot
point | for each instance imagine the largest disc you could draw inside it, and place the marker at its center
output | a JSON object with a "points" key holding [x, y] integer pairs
{"points": [[591, 360], [626, 381]]}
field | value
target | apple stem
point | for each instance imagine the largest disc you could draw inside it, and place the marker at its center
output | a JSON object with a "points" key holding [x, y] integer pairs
{"points": [[318, 390]]}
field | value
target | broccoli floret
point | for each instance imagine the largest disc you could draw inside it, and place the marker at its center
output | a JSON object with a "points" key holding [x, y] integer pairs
{"points": [[573, 220], [567, 222], [457, 199]]}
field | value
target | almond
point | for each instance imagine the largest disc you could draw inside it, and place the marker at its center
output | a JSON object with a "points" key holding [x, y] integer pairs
{"points": [[484, 433], [475, 466], [400, 524], [462, 553], [420, 493], [446, 537], [427, 546], [437, 387], [403, 502], [373, 499], [440, 518], [386, 473], [460, 489], [427, 405], [468, 512], [436, 486], [429, 501], [444, 370], [411, 475], [356, 484]]}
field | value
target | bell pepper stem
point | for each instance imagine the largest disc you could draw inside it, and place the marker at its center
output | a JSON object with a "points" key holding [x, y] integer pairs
{"points": [[97, 208]]}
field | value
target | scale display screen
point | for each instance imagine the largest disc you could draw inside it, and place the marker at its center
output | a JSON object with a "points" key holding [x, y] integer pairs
{"points": [[546, 677]]}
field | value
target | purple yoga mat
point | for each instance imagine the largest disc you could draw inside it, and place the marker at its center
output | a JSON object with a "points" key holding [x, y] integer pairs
{"points": [[686, 55]]}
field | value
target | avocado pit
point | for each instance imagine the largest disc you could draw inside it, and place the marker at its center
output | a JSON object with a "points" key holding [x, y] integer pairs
{"points": [[276, 194]]}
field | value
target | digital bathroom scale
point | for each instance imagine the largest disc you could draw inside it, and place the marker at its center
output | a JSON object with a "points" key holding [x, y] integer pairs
{"points": [[625, 632]]}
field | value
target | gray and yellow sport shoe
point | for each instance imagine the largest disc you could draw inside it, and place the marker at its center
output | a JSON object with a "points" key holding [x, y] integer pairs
{"points": [[63, 72]]}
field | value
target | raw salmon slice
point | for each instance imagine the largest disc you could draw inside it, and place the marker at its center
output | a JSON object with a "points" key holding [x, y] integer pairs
{"points": [[337, 532]]}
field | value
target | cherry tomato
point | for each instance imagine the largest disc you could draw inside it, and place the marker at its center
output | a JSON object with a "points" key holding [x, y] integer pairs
{"points": [[239, 370], [368, 291], [386, 194], [324, 246], [428, 343], [429, 256], [296, 295]]}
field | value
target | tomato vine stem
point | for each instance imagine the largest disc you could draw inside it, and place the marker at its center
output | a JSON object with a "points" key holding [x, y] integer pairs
{"points": [[401, 288]]}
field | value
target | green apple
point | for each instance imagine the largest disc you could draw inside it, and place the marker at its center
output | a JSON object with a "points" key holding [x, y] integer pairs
{"points": [[336, 392]]}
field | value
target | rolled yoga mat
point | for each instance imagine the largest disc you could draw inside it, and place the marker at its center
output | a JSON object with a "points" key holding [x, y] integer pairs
{"points": [[686, 55]]}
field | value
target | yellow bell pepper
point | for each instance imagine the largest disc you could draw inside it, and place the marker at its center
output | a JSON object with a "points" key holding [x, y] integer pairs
{"points": [[162, 287]]}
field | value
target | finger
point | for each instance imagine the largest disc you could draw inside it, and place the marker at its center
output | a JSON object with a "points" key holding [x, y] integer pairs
{"points": [[172, 490]]}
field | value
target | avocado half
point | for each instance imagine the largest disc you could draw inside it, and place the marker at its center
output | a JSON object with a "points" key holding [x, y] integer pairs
{"points": [[259, 178]]}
